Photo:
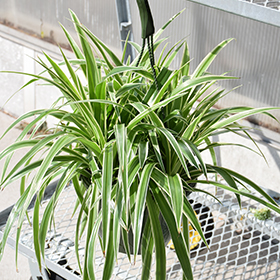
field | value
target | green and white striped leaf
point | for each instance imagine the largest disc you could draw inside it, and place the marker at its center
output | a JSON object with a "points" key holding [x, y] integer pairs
{"points": [[143, 151], [176, 193], [121, 141], [179, 243], [160, 272], [107, 177], [140, 205]]}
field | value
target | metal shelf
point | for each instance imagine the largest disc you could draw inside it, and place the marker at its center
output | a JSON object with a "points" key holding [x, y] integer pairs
{"points": [[241, 247]]}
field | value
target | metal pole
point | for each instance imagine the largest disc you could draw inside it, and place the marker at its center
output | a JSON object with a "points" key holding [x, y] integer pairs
{"points": [[125, 26]]}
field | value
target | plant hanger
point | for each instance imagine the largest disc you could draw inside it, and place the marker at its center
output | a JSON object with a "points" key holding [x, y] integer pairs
{"points": [[148, 30]]}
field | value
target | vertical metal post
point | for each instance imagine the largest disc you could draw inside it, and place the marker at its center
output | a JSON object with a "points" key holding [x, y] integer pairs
{"points": [[35, 272], [217, 150], [125, 26]]}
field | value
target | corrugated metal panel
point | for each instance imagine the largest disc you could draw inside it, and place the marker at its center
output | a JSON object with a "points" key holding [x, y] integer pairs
{"points": [[42, 17], [254, 55]]}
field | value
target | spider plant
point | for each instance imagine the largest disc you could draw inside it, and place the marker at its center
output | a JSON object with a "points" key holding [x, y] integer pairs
{"points": [[129, 146]]}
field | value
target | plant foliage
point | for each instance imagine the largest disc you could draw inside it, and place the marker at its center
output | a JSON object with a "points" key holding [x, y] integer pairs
{"points": [[127, 147]]}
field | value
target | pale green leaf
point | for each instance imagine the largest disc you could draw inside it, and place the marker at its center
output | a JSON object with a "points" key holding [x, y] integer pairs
{"points": [[107, 177], [176, 193], [140, 205]]}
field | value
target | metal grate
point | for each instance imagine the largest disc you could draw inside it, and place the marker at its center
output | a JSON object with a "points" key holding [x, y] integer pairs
{"points": [[241, 247], [266, 3]]}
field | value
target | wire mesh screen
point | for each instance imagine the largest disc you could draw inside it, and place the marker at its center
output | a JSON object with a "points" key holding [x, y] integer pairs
{"points": [[240, 245]]}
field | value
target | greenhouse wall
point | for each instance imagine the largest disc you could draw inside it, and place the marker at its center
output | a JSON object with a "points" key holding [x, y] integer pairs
{"points": [[253, 56]]}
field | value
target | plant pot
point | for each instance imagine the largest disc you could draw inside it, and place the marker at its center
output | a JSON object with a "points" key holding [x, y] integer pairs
{"points": [[206, 220], [164, 228]]}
